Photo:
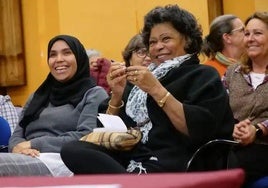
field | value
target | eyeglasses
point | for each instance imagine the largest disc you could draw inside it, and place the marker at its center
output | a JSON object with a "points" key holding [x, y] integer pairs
{"points": [[143, 52], [240, 29]]}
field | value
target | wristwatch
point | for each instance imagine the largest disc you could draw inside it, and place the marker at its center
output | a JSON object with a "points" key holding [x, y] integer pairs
{"points": [[259, 132], [162, 102]]}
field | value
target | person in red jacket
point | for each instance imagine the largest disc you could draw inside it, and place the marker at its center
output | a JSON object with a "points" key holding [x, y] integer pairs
{"points": [[99, 68]]}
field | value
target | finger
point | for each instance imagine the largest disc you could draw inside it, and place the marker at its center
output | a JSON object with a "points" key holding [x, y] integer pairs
{"points": [[36, 152], [117, 79], [110, 75], [237, 134], [132, 79], [118, 71]]}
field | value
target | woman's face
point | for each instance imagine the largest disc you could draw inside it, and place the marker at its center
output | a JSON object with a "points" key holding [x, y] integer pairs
{"points": [[256, 39], [237, 36], [61, 61], [165, 43], [140, 57]]}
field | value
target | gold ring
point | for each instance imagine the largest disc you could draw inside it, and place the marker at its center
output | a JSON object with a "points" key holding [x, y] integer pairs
{"points": [[136, 72], [134, 79]]}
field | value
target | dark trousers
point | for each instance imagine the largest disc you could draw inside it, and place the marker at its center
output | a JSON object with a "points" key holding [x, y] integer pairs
{"points": [[254, 160], [86, 158]]}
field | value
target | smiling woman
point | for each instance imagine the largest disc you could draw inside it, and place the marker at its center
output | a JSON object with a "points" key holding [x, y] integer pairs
{"points": [[247, 84], [175, 102], [64, 108], [62, 62]]}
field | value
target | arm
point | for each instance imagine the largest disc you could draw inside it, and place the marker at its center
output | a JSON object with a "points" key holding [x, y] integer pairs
{"points": [[207, 111], [87, 110], [172, 107], [116, 79], [198, 105], [18, 136], [148, 83], [86, 122]]}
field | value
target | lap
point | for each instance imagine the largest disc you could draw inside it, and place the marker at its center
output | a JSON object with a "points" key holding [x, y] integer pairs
{"points": [[87, 158], [12, 164]]}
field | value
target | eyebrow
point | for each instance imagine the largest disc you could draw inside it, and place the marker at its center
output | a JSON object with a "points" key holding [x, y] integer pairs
{"points": [[64, 49]]}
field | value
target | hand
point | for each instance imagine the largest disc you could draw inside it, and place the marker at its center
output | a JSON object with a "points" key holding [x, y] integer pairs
{"points": [[30, 152], [25, 148], [116, 78], [21, 146], [244, 132], [93, 64], [142, 77]]}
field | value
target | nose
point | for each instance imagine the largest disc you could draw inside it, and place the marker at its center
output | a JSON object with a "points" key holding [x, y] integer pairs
{"points": [[59, 57], [159, 45], [147, 58], [250, 37]]}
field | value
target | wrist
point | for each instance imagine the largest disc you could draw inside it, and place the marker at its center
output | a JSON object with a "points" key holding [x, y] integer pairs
{"points": [[116, 106], [115, 100], [161, 103], [258, 131]]}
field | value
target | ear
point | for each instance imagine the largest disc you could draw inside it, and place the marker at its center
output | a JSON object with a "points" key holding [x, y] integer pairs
{"points": [[226, 38]]}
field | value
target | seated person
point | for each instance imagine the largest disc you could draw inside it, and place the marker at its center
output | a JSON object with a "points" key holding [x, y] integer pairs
{"points": [[99, 68], [62, 109], [135, 52], [224, 43], [8, 111], [4, 133], [247, 84], [176, 102]]}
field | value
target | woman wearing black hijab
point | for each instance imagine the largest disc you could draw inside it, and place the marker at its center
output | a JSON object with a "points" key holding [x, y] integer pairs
{"points": [[62, 109]]}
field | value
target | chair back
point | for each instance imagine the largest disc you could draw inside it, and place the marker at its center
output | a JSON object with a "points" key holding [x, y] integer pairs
{"points": [[214, 155], [5, 133]]}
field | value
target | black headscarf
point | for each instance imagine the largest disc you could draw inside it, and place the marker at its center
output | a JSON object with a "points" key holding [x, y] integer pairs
{"points": [[58, 93]]}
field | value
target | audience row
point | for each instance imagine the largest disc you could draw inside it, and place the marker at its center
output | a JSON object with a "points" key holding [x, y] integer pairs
{"points": [[161, 89]]}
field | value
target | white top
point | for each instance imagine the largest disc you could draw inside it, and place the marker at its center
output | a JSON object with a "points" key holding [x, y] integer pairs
{"points": [[256, 79]]}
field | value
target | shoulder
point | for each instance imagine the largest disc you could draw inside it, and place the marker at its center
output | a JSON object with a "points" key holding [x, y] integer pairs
{"points": [[211, 62], [96, 92], [221, 68], [193, 65], [200, 69], [232, 69], [193, 76], [93, 96]]}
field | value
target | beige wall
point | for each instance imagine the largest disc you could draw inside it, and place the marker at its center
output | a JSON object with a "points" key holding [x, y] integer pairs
{"points": [[106, 25], [244, 8]]}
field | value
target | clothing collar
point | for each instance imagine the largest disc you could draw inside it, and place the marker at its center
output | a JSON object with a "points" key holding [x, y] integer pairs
{"points": [[224, 60], [247, 76]]}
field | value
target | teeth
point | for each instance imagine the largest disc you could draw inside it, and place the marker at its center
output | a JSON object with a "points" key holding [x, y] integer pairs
{"points": [[60, 68]]}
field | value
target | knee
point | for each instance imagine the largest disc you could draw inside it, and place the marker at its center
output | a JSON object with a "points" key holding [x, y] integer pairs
{"points": [[68, 150]]}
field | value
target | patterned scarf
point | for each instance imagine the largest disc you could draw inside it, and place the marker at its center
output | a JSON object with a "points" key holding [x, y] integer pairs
{"points": [[224, 60], [136, 104]]}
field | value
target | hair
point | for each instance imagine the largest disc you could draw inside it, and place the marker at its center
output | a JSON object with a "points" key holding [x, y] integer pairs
{"points": [[182, 20], [246, 62], [60, 93], [213, 42], [135, 43], [93, 53]]}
